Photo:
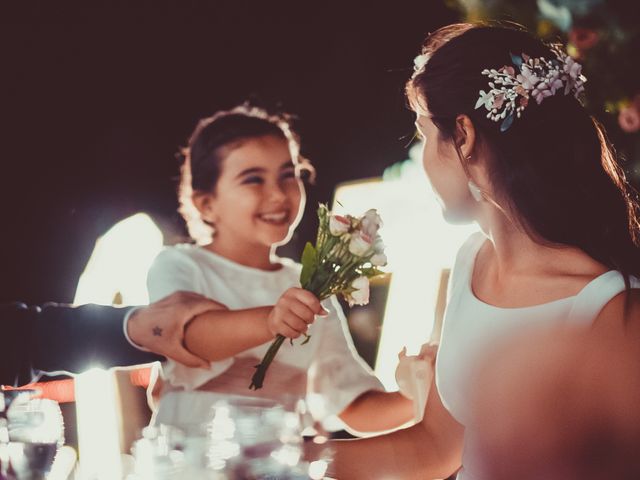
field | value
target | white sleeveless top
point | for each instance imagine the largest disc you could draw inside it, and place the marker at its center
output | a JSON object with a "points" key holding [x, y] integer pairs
{"points": [[471, 328]]}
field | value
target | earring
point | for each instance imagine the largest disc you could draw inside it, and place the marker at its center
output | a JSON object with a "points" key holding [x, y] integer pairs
{"points": [[476, 193]]}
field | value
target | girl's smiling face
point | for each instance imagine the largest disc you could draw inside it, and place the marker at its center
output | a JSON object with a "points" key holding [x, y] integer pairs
{"points": [[258, 199]]}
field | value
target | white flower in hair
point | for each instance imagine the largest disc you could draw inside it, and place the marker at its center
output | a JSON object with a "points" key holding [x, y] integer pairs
{"points": [[527, 78], [511, 87], [485, 99], [419, 63]]}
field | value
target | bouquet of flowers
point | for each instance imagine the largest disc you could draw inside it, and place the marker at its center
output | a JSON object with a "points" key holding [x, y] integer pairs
{"points": [[347, 254]]}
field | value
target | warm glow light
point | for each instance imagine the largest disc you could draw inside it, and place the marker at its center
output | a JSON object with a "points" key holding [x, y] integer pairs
{"points": [[419, 245], [317, 469], [119, 263], [287, 455], [98, 436]]}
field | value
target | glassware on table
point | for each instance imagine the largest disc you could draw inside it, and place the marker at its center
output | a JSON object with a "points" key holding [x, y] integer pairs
{"points": [[255, 438], [166, 452], [243, 438], [31, 431]]}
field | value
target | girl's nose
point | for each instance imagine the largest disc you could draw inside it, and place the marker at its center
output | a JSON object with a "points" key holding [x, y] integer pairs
{"points": [[276, 193]]}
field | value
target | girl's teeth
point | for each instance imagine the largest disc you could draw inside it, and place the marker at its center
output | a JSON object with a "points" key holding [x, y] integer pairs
{"points": [[274, 217]]}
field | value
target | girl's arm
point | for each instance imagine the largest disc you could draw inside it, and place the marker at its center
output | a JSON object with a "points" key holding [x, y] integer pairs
{"points": [[159, 326], [376, 411], [429, 449], [216, 335]]}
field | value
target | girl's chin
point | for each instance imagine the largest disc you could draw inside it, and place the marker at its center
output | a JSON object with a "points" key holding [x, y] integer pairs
{"points": [[276, 236]]}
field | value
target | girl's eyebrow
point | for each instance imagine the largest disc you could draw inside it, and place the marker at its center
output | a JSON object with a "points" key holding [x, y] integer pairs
{"points": [[250, 171], [253, 170]]}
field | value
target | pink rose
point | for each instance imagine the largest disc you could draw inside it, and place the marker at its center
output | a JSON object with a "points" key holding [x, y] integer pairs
{"points": [[371, 223], [629, 119], [360, 244], [338, 225]]}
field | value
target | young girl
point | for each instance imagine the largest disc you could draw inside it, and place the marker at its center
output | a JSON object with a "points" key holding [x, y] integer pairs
{"points": [[242, 195], [508, 145]]}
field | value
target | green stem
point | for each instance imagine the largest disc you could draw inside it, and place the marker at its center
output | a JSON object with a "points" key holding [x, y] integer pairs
{"points": [[261, 369]]}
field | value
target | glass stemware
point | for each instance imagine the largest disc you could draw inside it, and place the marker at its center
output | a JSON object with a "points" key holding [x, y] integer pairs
{"points": [[242, 438], [31, 431]]}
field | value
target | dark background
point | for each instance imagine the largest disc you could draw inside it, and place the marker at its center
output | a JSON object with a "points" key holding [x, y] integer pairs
{"points": [[97, 98]]}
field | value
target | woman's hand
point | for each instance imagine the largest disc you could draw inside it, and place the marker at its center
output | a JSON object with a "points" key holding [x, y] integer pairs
{"points": [[294, 312], [160, 326]]}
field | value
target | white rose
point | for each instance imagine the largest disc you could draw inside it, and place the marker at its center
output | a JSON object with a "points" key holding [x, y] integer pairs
{"points": [[361, 294], [371, 223], [360, 244], [379, 260], [378, 245], [338, 225]]}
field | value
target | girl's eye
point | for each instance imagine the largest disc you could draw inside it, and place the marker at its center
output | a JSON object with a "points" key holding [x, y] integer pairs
{"points": [[288, 174], [252, 180]]}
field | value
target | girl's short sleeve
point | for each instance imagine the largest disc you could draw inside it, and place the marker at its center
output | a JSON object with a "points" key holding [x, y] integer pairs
{"points": [[338, 374], [174, 271]]}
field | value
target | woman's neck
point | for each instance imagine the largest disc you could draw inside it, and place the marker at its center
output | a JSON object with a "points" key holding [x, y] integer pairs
{"points": [[514, 252], [250, 255]]}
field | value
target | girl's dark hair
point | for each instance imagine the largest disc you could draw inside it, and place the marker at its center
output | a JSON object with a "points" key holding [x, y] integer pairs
{"points": [[554, 166], [212, 140]]}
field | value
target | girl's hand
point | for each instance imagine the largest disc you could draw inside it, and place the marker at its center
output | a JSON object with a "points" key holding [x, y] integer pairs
{"points": [[295, 310], [413, 371], [428, 352]]}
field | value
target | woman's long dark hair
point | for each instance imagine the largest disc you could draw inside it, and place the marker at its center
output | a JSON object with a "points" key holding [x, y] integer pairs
{"points": [[554, 165]]}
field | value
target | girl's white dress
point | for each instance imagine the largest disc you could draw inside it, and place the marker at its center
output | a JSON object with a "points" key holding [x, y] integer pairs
{"points": [[327, 366], [471, 328]]}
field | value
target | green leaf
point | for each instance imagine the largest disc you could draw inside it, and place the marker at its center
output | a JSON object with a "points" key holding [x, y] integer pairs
{"points": [[507, 122], [517, 61], [309, 262], [371, 272]]}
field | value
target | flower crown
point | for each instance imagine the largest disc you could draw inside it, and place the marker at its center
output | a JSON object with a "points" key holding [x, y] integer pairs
{"points": [[538, 78]]}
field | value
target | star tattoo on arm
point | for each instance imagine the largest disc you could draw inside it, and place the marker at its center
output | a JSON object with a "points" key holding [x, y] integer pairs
{"points": [[157, 331]]}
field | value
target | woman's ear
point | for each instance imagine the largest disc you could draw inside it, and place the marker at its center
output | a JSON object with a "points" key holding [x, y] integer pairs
{"points": [[206, 205], [465, 136]]}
